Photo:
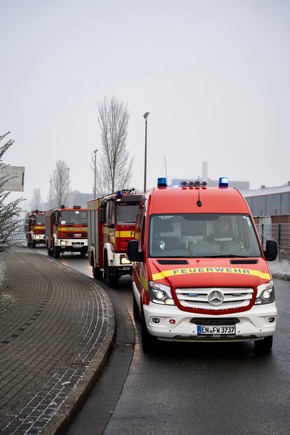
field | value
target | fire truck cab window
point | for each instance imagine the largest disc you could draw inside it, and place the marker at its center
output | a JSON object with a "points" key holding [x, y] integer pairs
{"points": [[40, 219], [79, 217], [126, 214]]}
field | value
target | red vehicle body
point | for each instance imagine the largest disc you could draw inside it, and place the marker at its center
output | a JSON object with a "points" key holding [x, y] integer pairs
{"points": [[66, 230], [191, 284], [35, 228], [111, 224]]}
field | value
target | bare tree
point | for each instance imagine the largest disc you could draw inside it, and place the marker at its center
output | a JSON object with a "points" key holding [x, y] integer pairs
{"points": [[36, 199], [9, 211], [114, 169], [59, 185]]}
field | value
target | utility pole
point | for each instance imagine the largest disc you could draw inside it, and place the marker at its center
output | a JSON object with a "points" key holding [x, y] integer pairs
{"points": [[95, 173], [145, 157]]}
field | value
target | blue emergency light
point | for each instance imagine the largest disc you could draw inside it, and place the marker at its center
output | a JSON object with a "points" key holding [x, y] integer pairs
{"points": [[223, 182], [161, 182]]}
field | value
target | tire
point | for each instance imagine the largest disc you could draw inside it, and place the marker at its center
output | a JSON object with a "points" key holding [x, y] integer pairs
{"points": [[265, 345], [49, 251], [149, 343], [136, 314], [111, 280], [56, 252], [97, 273]]}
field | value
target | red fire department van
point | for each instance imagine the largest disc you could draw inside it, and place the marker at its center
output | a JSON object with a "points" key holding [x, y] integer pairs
{"points": [[200, 273], [111, 224]]}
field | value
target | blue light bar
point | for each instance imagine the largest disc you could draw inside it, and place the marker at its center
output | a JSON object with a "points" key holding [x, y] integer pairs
{"points": [[161, 182], [119, 194], [223, 182]]}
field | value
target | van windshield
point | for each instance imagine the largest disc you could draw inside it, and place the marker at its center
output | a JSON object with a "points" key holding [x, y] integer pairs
{"points": [[203, 235]]}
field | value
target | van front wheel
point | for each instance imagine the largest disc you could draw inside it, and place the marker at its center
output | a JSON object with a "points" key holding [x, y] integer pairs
{"points": [[136, 314], [148, 341], [265, 345]]}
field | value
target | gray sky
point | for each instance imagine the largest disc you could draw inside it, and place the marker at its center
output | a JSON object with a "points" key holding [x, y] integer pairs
{"points": [[214, 75]]}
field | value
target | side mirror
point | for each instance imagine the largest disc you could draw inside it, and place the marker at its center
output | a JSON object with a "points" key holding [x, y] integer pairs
{"points": [[103, 215], [271, 251], [132, 251]]}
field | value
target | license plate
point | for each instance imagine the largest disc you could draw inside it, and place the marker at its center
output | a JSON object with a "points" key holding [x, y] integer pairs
{"points": [[216, 330]]}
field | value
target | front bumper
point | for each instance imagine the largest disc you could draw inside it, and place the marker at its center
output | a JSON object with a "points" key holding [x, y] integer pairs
{"points": [[73, 244], [169, 323]]}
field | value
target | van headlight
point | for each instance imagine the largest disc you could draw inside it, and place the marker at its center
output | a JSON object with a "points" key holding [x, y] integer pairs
{"points": [[160, 293], [265, 293]]}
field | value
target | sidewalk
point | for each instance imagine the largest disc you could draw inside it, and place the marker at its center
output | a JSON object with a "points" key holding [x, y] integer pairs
{"points": [[57, 328]]}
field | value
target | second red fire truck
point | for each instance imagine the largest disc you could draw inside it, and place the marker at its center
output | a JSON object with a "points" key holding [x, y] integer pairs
{"points": [[111, 224], [66, 230]]}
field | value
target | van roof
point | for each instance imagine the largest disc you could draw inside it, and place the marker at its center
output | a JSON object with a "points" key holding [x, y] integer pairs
{"points": [[185, 200]]}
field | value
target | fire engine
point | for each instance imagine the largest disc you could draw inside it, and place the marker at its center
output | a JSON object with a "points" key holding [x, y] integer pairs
{"points": [[66, 230], [35, 228], [111, 224], [194, 283]]}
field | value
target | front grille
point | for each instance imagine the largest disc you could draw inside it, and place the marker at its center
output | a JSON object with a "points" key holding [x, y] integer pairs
{"points": [[228, 298], [224, 321]]}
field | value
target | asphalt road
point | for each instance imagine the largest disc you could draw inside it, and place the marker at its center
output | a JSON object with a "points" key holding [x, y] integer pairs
{"points": [[189, 388]]}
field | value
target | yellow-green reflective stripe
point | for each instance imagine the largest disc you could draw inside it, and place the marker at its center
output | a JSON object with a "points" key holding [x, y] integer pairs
{"points": [[124, 233], [196, 270], [144, 282], [107, 230]]}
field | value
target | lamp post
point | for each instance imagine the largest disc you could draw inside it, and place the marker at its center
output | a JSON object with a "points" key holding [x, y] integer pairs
{"points": [[145, 157], [95, 173], [67, 188]]}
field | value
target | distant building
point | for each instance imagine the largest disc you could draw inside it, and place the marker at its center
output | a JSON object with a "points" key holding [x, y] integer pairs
{"points": [[78, 198], [75, 198], [269, 201], [15, 178]]}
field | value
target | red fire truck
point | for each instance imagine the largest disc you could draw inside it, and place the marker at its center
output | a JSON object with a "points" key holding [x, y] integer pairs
{"points": [[66, 230], [111, 224], [35, 228]]}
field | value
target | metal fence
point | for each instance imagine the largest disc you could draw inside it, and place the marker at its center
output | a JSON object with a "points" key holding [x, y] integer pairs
{"points": [[280, 233]]}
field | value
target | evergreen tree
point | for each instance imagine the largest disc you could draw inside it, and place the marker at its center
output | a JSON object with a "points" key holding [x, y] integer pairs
{"points": [[9, 211]]}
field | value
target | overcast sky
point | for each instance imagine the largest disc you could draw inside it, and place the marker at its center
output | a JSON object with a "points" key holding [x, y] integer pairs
{"points": [[214, 75]]}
